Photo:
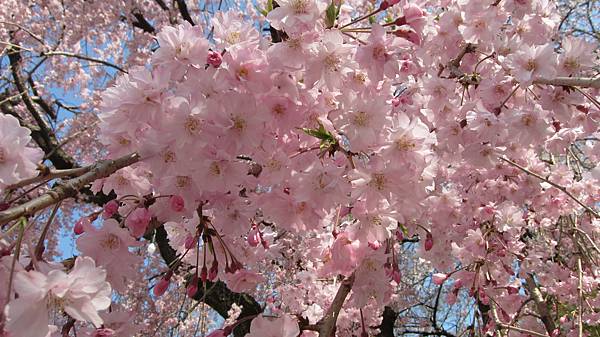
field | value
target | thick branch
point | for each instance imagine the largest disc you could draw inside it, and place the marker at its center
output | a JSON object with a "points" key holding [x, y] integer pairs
{"points": [[388, 322], [142, 23], [69, 188], [583, 82], [185, 13], [541, 305], [327, 323]]}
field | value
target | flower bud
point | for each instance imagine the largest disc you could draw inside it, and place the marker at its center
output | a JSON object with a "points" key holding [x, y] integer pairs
{"points": [[399, 235], [204, 274], [254, 237], [161, 286], [192, 288], [375, 245], [110, 209], [214, 270], [214, 59], [79, 227], [177, 203], [428, 242], [103, 332]]}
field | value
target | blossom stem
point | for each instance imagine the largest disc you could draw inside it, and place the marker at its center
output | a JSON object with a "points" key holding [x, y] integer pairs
{"points": [[68, 189], [366, 16], [15, 257]]}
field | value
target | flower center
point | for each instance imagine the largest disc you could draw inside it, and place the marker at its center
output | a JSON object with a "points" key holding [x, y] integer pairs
{"points": [[233, 37], [530, 65], [111, 241], [404, 144], [169, 156], [182, 181], [239, 123], [192, 125], [378, 181], [214, 168], [360, 118], [299, 6], [332, 63]]}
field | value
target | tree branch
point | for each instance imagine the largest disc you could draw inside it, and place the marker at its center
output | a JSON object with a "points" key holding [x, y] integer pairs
{"points": [[327, 323], [541, 305], [185, 13], [69, 188], [583, 82]]}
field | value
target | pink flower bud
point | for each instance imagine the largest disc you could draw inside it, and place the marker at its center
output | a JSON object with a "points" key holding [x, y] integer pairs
{"points": [[399, 235], [110, 209], [254, 237], [412, 13], [192, 288], [384, 5], [80, 225], [138, 221], [428, 242], [204, 274], [103, 332], [408, 35], [214, 270], [264, 243], [374, 245], [161, 286], [214, 59], [439, 278], [177, 203], [396, 276]]}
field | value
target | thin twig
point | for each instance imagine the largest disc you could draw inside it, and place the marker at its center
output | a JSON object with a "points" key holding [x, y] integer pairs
{"points": [[559, 187]]}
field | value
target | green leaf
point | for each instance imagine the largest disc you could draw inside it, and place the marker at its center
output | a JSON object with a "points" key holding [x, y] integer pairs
{"points": [[320, 133], [403, 229], [331, 15], [269, 6]]}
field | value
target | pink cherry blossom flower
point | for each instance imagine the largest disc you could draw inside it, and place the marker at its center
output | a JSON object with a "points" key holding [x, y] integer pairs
{"points": [[80, 293], [177, 203], [109, 247], [138, 221], [284, 326], [243, 280], [17, 160], [296, 15]]}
